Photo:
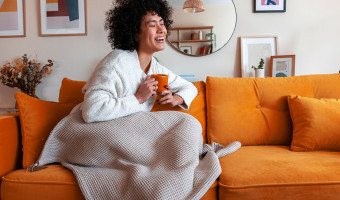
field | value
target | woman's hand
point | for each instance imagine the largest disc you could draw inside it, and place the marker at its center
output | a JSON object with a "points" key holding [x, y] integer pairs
{"points": [[146, 90], [168, 98]]}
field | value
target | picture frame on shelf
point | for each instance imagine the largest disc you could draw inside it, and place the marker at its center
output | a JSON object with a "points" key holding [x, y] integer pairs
{"points": [[63, 18], [186, 49], [282, 66], [262, 6], [12, 18], [253, 48]]}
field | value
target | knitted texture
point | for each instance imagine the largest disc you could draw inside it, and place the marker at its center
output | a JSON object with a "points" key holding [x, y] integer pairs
{"points": [[146, 155]]}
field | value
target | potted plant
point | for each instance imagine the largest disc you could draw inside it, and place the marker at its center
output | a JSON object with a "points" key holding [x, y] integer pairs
{"points": [[259, 70], [24, 74]]}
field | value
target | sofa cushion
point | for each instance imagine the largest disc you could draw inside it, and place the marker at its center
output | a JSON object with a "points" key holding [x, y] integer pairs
{"points": [[325, 85], [315, 123], [37, 119], [53, 183], [70, 92], [253, 111], [276, 172], [10, 140]]}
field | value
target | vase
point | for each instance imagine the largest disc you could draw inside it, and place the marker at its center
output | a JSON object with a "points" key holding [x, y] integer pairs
{"points": [[29, 93], [259, 73]]}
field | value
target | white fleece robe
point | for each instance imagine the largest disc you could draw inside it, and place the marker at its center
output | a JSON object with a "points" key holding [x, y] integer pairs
{"points": [[110, 91]]}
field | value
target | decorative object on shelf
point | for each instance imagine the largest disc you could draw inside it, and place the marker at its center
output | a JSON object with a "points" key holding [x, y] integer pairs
{"points": [[259, 70], [253, 48], [24, 74], [12, 20], [186, 49], [211, 36], [269, 6], [193, 36], [200, 35], [193, 6], [282, 66], [62, 18]]}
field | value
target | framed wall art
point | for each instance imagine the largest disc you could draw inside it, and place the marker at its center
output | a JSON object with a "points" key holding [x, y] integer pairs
{"points": [[255, 48], [12, 18], [282, 66], [62, 17], [269, 5], [186, 49]]}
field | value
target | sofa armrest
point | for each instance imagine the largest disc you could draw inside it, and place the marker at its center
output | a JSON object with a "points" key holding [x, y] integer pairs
{"points": [[10, 144]]}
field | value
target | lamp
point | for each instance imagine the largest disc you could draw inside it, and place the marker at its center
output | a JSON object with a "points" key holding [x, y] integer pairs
{"points": [[193, 6]]}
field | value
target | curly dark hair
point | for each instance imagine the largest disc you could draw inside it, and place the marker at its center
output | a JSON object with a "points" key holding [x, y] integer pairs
{"points": [[124, 19]]}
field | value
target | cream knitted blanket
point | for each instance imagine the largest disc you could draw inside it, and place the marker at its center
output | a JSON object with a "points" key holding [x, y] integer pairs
{"points": [[146, 155]]}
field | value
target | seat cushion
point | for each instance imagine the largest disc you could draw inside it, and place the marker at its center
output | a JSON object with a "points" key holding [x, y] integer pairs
{"points": [[276, 172], [53, 183]]}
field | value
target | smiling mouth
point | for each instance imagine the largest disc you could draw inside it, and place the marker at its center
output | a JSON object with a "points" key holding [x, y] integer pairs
{"points": [[159, 39]]}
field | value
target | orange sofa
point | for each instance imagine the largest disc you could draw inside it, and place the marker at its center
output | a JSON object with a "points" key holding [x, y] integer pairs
{"points": [[289, 129]]}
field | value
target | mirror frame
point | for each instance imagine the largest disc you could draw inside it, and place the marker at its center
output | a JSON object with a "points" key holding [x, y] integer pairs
{"points": [[173, 46]]}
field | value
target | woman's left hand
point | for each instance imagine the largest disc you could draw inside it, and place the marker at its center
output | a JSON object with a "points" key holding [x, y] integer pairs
{"points": [[168, 98]]}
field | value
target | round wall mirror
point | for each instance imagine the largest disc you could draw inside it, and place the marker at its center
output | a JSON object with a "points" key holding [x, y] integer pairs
{"points": [[202, 33]]}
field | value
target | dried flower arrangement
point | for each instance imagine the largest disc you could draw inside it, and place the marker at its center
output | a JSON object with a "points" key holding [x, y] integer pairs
{"points": [[24, 74]]}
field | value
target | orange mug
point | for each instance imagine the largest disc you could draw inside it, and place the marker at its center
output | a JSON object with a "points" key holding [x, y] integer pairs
{"points": [[162, 81]]}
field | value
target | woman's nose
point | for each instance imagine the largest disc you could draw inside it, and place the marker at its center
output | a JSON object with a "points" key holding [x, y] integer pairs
{"points": [[161, 29]]}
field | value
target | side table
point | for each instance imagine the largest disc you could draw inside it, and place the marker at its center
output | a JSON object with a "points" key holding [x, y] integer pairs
{"points": [[4, 111]]}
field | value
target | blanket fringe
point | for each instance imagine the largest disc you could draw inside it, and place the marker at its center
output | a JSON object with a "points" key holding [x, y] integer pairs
{"points": [[35, 167]]}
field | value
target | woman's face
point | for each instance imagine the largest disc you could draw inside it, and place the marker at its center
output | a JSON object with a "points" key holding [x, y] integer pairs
{"points": [[152, 34]]}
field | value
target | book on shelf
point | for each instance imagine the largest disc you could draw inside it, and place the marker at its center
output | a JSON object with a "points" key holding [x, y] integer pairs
{"points": [[202, 51]]}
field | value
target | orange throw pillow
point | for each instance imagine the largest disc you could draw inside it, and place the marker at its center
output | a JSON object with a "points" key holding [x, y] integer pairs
{"points": [[316, 123], [70, 91], [38, 118]]}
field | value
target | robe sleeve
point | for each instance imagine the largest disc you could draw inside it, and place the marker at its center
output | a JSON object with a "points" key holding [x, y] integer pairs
{"points": [[106, 97]]}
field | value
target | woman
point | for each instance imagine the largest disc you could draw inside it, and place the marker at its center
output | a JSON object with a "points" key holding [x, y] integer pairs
{"points": [[121, 84], [144, 155]]}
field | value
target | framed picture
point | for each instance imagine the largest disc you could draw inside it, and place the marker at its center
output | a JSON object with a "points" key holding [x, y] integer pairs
{"points": [[282, 66], [186, 49], [269, 5], [12, 18], [62, 17], [253, 48]]}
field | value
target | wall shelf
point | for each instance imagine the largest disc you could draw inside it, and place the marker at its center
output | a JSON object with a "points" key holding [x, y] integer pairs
{"points": [[184, 35], [189, 41]]}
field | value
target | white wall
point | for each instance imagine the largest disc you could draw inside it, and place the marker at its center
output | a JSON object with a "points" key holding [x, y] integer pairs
{"points": [[309, 29]]}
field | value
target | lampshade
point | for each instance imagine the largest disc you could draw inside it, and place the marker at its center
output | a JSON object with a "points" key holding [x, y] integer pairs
{"points": [[193, 6]]}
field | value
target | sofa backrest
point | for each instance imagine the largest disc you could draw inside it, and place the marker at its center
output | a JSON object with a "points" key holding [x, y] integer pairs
{"points": [[255, 111], [71, 92]]}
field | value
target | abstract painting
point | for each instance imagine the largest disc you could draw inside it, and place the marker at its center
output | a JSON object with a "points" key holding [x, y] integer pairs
{"points": [[12, 18], [282, 66], [269, 5], [62, 17], [255, 48]]}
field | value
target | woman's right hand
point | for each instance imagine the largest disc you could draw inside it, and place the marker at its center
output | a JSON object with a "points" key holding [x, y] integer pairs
{"points": [[146, 89]]}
